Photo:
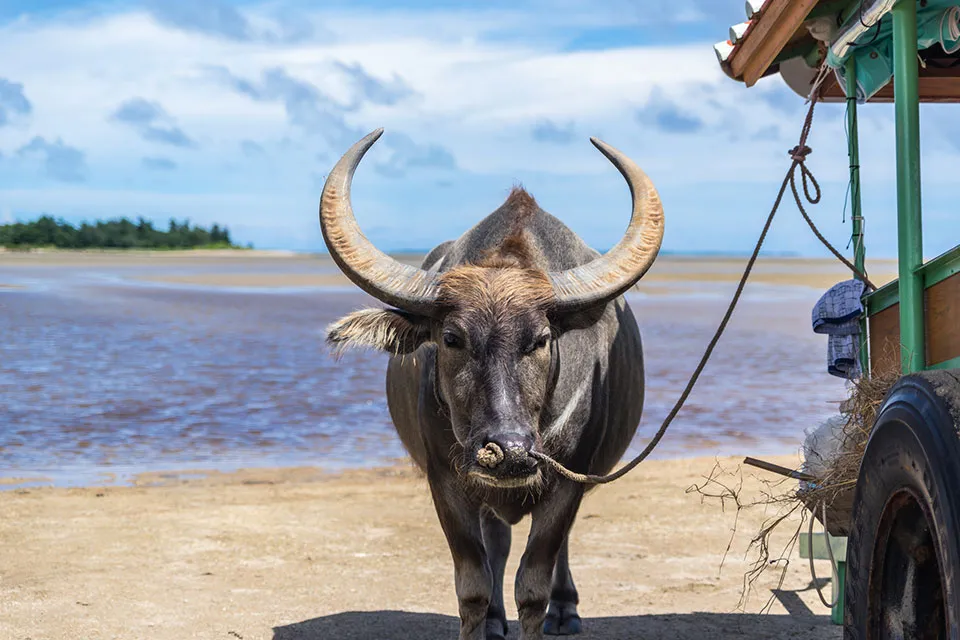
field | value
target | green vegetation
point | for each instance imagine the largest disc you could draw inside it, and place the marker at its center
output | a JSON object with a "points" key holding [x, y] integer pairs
{"points": [[113, 234]]}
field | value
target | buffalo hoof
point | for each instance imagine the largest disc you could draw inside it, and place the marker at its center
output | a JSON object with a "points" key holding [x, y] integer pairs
{"points": [[562, 620], [496, 629]]}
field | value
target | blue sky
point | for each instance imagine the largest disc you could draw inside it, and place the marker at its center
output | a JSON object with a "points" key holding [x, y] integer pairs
{"points": [[234, 112]]}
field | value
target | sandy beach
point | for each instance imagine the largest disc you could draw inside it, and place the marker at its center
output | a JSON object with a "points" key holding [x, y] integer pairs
{"points": [[302, 554], [286, 552]]}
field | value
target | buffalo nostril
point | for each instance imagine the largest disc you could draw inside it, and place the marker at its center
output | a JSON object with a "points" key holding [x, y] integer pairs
{"points": [[490, 455]]}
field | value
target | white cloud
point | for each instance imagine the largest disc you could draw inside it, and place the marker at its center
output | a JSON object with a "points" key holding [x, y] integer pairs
{"points": [[466, 90], [463, 92]]}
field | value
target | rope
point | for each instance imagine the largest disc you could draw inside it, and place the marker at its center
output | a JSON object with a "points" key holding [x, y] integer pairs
{"points": [[950, 19], [833, 562], [806, 175], [798, 155]]}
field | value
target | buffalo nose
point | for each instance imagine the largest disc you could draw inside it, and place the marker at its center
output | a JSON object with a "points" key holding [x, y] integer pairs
{"points": [[512, 442], [510, 452]]}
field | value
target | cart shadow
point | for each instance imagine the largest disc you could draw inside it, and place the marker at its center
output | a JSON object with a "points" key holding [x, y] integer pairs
{"points": [[400, 625]]}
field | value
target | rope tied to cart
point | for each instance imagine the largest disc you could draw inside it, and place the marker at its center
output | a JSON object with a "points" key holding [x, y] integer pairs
{"points": [[833, 562], [812, 194]]}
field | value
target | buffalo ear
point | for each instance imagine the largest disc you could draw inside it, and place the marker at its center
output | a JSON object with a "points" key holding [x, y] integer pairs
{"points": [[390, 330], [579, 320]]}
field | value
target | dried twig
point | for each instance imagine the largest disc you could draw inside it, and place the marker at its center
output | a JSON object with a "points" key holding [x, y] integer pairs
{"points": [[786, 496]]}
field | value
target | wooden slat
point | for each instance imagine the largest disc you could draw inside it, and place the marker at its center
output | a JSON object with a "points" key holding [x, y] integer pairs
{"points": [[935, 86], [885, 340], [943, 320], [941, 324], [752, 39], [776, 26]]}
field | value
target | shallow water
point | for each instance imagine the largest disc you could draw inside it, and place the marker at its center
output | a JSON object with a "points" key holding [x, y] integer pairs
{"points": [[101, 373]]}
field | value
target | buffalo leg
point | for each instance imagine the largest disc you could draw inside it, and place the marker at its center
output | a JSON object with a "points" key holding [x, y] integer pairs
{"points": [[460, 520], [562, 618], [496, 541], [552, 520]]}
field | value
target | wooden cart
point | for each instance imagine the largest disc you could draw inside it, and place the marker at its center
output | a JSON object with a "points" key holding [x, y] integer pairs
{"points": [[902, 532]]}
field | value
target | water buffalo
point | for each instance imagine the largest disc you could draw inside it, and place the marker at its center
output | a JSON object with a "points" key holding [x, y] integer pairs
{"points": [[513, 338]]}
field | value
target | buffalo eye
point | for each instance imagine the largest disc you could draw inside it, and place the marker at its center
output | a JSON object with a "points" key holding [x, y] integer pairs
{"points": [[537, 344], [452, 340]]}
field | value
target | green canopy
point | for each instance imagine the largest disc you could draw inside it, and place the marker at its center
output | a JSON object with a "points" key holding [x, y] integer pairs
{"points": [[937, 23]]}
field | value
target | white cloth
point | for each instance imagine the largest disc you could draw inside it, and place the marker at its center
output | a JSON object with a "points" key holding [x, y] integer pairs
{"points": [[837, 314], [822, 446]]}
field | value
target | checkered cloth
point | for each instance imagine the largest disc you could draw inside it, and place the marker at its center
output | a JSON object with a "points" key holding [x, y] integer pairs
{"points": [[837, 314]]}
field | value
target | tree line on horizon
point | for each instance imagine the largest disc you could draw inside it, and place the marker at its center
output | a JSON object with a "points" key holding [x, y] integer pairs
{"points": [[119, 233]]}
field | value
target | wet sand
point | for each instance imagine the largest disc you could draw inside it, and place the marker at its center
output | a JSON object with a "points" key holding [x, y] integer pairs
{"points": [[102, 372], [265, 269], [815, 274], [266, 280], [107, 370], [302, 554]]}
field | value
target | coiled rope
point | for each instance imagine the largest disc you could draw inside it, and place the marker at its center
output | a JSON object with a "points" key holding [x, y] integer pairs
{"points": [[798, 156]]}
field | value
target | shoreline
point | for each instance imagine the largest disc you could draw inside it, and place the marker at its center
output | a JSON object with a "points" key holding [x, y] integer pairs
{"points": [[12, 255], [97, 476], [255, 269], [298, 554], [242, 252], [664, 255]]}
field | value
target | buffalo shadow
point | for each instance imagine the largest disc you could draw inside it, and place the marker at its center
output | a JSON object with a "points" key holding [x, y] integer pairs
{"points": [[403, 625]]}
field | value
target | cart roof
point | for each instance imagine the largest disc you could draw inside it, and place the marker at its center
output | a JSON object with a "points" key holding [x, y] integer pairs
{"points": [[778, 41]]}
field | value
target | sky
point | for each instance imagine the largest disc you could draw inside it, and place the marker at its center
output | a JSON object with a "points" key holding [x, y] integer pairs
{"points": [[235, 112]]}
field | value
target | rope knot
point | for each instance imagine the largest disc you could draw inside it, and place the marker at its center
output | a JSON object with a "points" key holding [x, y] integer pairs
{"points": [[800, 152]]}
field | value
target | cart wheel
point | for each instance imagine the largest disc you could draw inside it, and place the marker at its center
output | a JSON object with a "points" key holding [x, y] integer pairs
{"points": [[903, 553]]}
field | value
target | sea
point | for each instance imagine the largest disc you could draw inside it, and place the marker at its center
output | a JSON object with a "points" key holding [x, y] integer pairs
{"points": [[107, 371]]}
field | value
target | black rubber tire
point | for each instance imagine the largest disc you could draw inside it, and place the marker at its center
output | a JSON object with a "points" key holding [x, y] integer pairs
{"points": [[904, 546]]}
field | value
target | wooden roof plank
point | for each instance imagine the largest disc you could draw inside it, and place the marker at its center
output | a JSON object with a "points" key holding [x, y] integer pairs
{"points": [[790, 22], [768, 34]]}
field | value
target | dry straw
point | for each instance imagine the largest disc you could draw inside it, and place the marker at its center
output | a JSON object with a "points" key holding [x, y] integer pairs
{"points": [[835, 477]]}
